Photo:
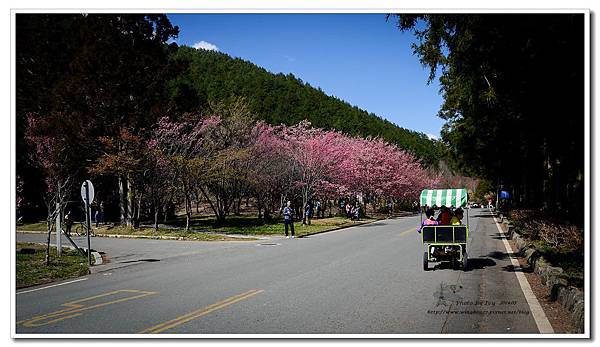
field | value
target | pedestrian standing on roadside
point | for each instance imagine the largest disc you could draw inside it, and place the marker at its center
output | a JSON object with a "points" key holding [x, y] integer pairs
{"points": [[288, 218], [101, 216], [97, 217], [356, 212], [307, 214], [318, 208], [68, 222]]}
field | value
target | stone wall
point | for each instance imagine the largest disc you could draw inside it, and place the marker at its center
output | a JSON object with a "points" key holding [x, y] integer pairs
{"points": [[554, 277]]}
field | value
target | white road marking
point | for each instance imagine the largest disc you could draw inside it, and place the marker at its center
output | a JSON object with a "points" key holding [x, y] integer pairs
{"points": [[535, 308], [54, 285]]}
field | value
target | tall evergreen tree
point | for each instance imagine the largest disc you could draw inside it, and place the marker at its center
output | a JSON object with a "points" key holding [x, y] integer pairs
{"points": [[92, 76], [513, 87]]}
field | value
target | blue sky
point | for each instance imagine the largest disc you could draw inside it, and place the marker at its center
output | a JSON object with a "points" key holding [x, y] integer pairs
{"points": [[359, 58]]}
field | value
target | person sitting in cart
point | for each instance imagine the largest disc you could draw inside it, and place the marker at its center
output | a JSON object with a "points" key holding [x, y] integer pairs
{"points": [[429, 220], [457, 218], [445, 217]]}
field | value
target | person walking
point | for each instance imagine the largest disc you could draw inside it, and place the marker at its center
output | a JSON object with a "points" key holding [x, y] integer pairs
{"points": [[288, 218]]}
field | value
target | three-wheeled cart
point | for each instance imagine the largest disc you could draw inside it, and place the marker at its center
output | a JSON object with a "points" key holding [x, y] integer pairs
{"points": [[445, 243]]}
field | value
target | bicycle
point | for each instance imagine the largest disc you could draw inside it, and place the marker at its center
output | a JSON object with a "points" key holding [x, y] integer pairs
{"points": [[80, 229]]}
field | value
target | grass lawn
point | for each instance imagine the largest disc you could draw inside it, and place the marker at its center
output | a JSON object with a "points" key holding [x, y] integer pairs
{"points": [[250, 225], [32, 269], [178, 233], [206, 228], [40, 226]]}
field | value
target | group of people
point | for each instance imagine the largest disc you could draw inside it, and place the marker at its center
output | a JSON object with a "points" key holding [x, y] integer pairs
{"points": [[445, 217], [352, 210], [310, 210]]}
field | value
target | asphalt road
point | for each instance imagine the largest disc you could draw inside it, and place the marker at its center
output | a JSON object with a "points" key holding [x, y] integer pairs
{"points": [[362, 280]]}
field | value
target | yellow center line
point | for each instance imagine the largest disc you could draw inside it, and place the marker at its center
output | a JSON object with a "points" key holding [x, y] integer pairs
{"points": [[413, 229], [199, 313], [74, 308], [194, 312]]}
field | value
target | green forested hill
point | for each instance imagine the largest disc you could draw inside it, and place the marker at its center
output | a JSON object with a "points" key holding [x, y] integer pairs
{"points": [[279, 98]]}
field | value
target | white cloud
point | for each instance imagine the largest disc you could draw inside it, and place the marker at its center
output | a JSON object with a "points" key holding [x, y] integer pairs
{"points": [[432, 137], [205, 45]]}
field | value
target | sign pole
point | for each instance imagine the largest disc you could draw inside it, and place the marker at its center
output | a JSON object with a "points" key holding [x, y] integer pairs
{"points": [[87, 220]]}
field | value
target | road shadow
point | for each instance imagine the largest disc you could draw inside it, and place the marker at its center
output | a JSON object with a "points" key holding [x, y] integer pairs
{"points": [[482, 216], [445, 265], [371, 225], [512, 268], [473, 264], [502, 255], [139, 260], [480, 263], [499, 236]]}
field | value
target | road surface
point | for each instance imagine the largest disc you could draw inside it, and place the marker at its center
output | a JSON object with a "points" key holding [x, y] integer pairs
{"points": [[362, 280]]}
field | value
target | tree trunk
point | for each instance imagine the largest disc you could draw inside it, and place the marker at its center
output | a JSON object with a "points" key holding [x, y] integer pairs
{"points": [[137, 213], [197, 196], [188, 211], [130, 204], [304, 202], [238, 206], [156, 219], [123, 200], [49, 227]]}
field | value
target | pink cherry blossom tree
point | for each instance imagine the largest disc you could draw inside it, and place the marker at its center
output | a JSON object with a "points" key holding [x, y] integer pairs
{"points": [[184, 147], [316, 158], [271, 176], [51, 154]]}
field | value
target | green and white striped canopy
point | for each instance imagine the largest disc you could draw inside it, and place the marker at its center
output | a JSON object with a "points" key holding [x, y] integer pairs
{"points": [[444, 197]]}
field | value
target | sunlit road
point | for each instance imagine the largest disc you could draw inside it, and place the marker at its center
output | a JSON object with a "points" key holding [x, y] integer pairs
{"points": [[362, 280]]}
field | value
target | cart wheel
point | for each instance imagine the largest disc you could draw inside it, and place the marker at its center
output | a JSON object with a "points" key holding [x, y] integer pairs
{"points": [[425, 262], [465, 263]]}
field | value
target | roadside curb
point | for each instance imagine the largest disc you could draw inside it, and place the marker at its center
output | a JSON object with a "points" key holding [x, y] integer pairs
{"points": [[179, 238], [257, 237], [152, 237], [554, 277], [34, 232], [339, 228]]}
